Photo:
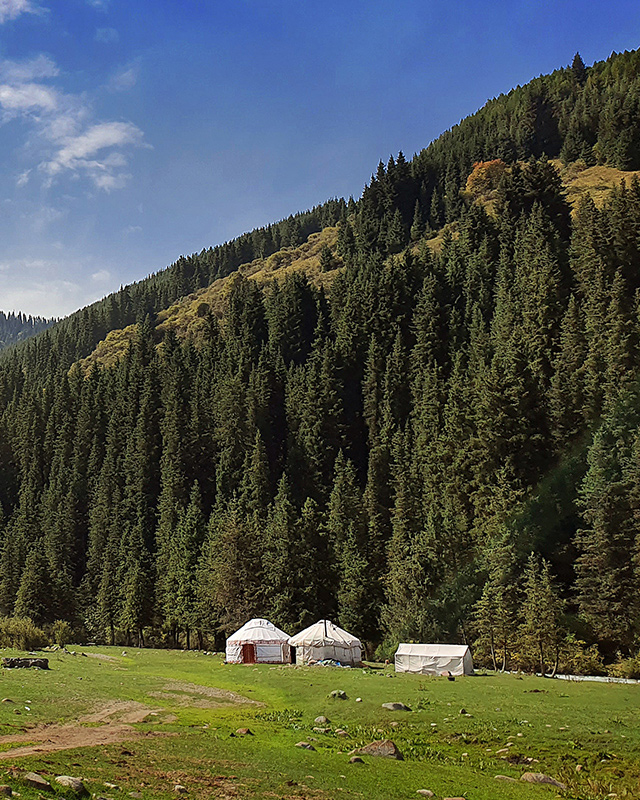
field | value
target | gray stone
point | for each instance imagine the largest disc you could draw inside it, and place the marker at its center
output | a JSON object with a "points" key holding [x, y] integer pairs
{"points": [[505, 778], [341, 732], [244, 732], [540, 777], [384, 748], [25, 663], [7, 700], [321, 730], [180, 789], [425, 793], [395, 707], [37, 781], [112, 786], [356, 760], [322, 720], [305, 745], [338, 694], [75, 784]]}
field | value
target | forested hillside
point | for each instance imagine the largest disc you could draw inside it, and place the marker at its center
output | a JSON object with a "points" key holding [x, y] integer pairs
{"points": [[17, 327], [443, 445]]}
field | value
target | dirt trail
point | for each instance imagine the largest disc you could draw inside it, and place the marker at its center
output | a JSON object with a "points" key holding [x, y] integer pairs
{"points": [[66, 737], [114, 720]]}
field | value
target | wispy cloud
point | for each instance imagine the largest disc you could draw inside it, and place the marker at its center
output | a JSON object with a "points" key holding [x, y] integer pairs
{"points": [[124, 79], [10, 9], [101, 276], [107, 35], [65, 138]]}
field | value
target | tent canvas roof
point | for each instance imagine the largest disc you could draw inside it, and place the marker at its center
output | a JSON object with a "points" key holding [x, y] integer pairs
{"points": [[324, 633], [433, 650], [258, 630]]}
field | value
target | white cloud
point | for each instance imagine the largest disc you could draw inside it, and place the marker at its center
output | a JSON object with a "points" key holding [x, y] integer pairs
{"points": [[10, 9], [24, 71], [27, 97], [101, 276], [101, 4], [23, 178], [65, 139], [107, 35], [124, 80], [132, 229]]}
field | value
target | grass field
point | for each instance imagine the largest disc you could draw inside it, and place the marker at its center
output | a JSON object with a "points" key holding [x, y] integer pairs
{"points": [[161, 718]]}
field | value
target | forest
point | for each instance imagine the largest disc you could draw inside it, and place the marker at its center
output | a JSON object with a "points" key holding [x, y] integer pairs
{"points": [[442, 446]]}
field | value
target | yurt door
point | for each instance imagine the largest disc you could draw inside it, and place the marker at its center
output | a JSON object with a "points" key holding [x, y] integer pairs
{"points": [[248, 654]]}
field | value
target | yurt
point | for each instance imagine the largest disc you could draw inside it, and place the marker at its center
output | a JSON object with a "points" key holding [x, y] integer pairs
{"points": [[258, 642], [325, 640], [434, 659]]}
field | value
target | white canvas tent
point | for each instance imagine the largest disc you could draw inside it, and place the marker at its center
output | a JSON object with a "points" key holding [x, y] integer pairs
{"points": [[433, 659], [258, 642], [326, 640]]}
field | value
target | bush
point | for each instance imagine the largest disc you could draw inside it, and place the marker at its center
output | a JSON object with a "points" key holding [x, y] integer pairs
{"points": [[61, 632], [625, 667], [21, 634]]}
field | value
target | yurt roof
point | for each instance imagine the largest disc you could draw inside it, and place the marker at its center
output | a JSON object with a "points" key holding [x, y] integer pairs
{"points": [[258, 630], [323, 633]]}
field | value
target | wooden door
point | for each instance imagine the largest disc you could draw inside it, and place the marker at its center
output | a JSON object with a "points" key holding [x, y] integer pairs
{"points": [[248, 654]]}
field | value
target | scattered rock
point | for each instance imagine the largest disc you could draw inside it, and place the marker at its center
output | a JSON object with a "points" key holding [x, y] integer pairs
{"points": [[338, 694], [5, 790], [502, 752], [7, 700], [37, 781], [305, 745], [358, 699], [321, 730], [505, 778], [425, 793], [384, 748], [341, 732], [244, 732], [75, 784], [356, 760], [25, 663], [395, 707], [180, 789], [112, 786], [540, 777], [322, 720], [394, 724]]}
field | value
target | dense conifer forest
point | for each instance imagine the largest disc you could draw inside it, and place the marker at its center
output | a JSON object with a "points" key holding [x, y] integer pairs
{"points": [[444, 446], [17, 327]]}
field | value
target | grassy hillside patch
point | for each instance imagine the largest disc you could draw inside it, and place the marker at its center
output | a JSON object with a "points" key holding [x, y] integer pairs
{"points": [[188, 707]]}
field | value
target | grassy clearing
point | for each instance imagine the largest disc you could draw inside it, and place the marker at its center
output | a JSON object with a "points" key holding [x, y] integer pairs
{"points": [[188, 736]]}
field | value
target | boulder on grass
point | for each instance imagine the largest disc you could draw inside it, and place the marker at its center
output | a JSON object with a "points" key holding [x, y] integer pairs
{"points": [[540, 777], [395, 707], [75, 784], [37, 781], [384, 748]]}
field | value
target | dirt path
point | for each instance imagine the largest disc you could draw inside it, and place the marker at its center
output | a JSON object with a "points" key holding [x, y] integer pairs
{"points": [[114, 720], [66, 737]]}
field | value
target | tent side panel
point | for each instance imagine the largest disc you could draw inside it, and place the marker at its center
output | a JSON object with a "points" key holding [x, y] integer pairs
{"points": [[234, 653]]}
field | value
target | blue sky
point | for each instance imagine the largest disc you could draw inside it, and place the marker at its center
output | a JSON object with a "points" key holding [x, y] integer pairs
{"points": [[133, 131]]}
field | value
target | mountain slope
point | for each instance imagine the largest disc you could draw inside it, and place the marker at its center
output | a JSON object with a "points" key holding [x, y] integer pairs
{"points": [[445, 432]]}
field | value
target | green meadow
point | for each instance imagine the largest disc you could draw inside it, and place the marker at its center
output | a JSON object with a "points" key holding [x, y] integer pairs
{"points": [[172, 718]]}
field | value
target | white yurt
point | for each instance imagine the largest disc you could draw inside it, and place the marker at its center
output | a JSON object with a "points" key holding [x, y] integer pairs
{"points": [[434, 659], [258, 642], [325, 640]]}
